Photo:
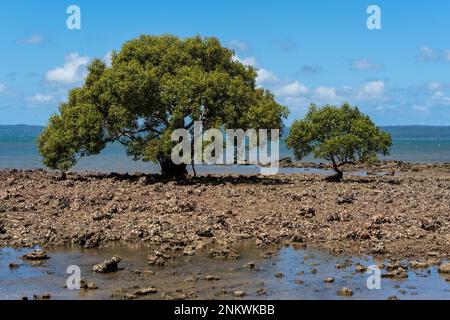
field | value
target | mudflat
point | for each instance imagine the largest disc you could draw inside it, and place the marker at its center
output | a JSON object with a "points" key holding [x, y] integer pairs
{"points": [[406, 215]]}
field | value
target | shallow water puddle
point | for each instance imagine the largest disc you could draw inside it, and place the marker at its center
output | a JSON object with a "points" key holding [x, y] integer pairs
{"points": [[289, 274]]}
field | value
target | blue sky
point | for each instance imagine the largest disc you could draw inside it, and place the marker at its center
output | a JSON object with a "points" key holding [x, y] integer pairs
{"points": [[306, 51]]}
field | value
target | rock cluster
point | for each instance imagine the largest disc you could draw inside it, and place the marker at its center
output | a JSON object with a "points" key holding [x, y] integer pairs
{"points": [[401, 216]]}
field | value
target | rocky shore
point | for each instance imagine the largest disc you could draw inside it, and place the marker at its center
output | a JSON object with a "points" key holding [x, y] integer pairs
{"points": [[404, 215]]}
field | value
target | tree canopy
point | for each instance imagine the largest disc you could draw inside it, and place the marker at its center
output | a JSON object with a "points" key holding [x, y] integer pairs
{"points": [[157, 84], [340, 135]]}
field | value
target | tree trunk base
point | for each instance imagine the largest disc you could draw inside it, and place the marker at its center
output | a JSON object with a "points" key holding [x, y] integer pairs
{"points": [[335, 177], [173, 171]]}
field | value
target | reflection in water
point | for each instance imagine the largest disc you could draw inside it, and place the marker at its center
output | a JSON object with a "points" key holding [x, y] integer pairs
{"points": [[300, 276]]}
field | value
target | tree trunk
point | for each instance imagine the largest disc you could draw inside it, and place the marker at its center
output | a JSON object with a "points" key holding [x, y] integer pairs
{"points": [[339, 174], [63, 176], [171, 170]]}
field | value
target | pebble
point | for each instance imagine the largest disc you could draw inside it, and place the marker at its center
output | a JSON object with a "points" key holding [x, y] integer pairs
{"points": [[36, 255], [239, 294], [345, 292], [111, 265]]}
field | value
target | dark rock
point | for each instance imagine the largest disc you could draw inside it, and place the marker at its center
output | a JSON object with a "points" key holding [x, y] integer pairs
{"points": [[205, 234], [36, 255], [111, 265]]}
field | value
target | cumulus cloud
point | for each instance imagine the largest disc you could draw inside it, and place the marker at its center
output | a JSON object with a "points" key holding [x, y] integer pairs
{"points": [[326, 93], [372, 89], [73, 70], [35, 39], [292, 89], [40, 98], [427, 54], [248, 61], [266, 77], [364, 64], [441, 98]]}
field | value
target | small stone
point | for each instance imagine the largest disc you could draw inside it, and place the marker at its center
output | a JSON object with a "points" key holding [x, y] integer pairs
{"points": [[418, 265], [261, 291], [145, 291], [279, 274], [212, 278], [85, 285], [13, 266], [111, 265], [360, 268], [307, 212], [36, 255], [188, 252], [328, 280], [205, 234], [45, 296], [239, 294], [392, 298], [345, 292], [297, 238], [444, 268], [397, 273], [299, 281]]}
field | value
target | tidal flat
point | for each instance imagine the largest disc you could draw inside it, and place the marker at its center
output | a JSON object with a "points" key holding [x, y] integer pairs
{"points": [[190, 234], [271, 273]]}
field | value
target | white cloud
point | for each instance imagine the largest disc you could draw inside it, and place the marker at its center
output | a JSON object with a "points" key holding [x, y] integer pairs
{"points": [[249, 61], [364, 64], [40, 98], [292, 89], [35, 39], [426, 53], [297, 102], [326, 93], [107, 58], [266, 77], [440, 98], [372, 89], [73, 71]]}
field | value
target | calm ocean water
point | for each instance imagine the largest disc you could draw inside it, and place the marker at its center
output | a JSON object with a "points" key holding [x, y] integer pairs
{"points": [[18, 150]]}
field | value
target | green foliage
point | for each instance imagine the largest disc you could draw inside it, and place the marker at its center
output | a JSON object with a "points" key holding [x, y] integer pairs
{"points": [[341, 135], [157, 84]]}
